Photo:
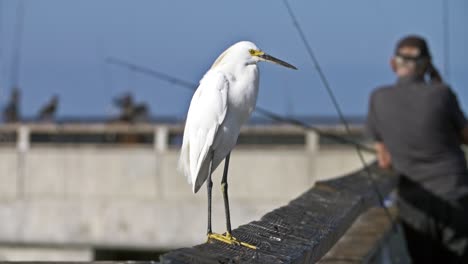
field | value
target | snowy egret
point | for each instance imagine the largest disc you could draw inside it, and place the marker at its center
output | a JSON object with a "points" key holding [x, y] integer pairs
{"points": [[222, 103]]}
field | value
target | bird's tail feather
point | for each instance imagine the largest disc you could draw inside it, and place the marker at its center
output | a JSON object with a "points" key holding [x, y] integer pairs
{"points": [[184, 161], [196, 178], [201, 177]]}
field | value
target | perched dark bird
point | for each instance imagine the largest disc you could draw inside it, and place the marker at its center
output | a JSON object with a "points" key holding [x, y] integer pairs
{"points": [[125, 104], [11, 111], [129, 110], [140, 112], [48, 111]]}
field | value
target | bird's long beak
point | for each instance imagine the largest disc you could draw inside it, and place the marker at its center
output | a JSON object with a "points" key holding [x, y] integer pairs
{"points": [[270, 58]]}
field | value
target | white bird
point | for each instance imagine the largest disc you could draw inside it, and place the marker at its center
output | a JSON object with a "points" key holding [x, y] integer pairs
{"points": [[222, 103]]}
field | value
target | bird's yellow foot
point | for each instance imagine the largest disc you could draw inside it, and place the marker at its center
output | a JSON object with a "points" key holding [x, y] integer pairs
{"points": [[229, 239]]}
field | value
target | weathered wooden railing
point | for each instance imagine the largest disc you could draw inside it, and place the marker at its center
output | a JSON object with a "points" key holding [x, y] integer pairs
{"points": [[307, 228]]}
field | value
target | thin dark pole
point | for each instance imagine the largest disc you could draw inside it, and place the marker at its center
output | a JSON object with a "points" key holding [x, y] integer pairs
{"points": [[446, 37], [335, 103], [2, 78], [18, 38]]}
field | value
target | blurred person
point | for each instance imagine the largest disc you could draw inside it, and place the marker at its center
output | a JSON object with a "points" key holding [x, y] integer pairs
{"points": [[11, 111], [418, 129]]}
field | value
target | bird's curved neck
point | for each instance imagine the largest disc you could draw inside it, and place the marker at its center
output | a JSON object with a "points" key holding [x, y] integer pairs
{"points": [[237, 69]]}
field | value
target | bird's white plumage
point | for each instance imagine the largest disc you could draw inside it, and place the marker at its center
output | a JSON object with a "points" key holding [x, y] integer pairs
{"points": [[206, 113], [222, 103]]}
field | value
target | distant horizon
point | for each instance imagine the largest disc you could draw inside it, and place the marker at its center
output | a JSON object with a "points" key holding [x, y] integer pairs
{"points": [[311, 119], [66, 43]]}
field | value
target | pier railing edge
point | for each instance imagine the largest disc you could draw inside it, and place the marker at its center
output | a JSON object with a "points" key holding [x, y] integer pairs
{"points": [[302, 231]]}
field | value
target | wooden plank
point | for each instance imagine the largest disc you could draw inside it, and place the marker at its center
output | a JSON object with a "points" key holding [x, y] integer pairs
{"points": [[300, 232], [363, 240]]}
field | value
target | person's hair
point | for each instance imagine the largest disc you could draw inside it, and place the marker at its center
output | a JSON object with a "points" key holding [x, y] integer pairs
{"points": [[433, 73], [424, 53]]}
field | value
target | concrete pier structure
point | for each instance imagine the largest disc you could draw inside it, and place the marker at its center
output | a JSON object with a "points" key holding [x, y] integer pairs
{"points": [[77, 187]]}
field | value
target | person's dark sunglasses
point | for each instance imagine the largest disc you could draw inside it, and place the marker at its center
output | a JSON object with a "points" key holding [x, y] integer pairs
{"points": [[406, 57]]}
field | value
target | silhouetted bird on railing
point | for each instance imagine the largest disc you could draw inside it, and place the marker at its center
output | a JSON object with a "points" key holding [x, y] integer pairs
{"points": [[48, 111], [11, 112], [125, 104], [140, 112], [129, 110]]}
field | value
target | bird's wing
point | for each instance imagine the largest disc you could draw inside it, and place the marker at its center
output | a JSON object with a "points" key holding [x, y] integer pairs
{"points": [[206, 113]]}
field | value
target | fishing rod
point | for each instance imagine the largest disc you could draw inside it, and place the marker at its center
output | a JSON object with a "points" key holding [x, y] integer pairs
{"points": [[1, 48], [335, 103], [18, 41], [446, 37], [260, 110]]}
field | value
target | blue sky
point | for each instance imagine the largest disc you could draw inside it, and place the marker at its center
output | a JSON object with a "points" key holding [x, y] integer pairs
{"points": [[65, 44]]}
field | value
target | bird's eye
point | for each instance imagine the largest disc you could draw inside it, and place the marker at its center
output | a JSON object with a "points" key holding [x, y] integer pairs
{"points": [[252, 51]]}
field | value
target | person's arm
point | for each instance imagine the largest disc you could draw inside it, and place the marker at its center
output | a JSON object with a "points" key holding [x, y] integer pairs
{"points": [[458, 117], [465, 135], [383, 156]]}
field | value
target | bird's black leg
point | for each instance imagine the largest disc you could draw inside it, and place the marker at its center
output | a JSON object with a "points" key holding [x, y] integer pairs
{"points": [[224, 187], [209, 185], [227, 238]]}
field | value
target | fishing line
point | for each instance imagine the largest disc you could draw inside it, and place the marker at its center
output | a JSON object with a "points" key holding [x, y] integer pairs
{"points": [[335, 103], [262, 111]]}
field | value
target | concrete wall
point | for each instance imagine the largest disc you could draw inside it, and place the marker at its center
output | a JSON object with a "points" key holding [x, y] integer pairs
{"points": [[89, 196]]}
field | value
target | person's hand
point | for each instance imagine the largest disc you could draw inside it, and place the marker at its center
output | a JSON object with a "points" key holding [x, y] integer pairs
{"points": [[384, 158]]}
